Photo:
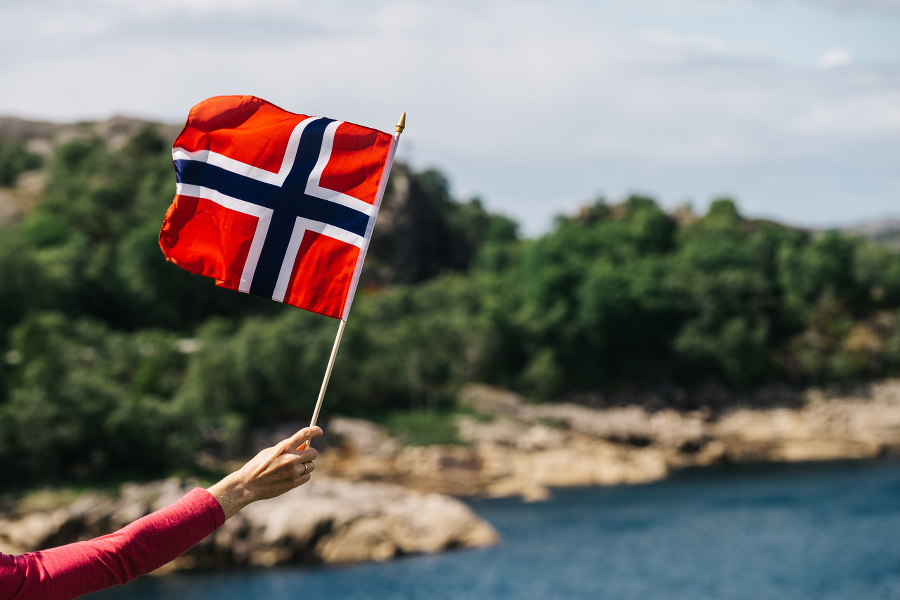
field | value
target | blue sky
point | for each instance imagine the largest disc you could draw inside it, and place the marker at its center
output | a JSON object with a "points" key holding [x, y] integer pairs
{"points": [[792, 107]]}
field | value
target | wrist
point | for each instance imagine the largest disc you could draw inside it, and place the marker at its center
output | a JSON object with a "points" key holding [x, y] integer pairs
{"points": [[231, 493]]}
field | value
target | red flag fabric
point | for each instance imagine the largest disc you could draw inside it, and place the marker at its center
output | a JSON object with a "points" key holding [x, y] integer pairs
{"points": [[274, 203]]}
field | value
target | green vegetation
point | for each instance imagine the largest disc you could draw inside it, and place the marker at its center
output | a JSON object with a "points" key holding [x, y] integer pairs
{"points": [[15, 159], [114, 362], [422, 428]]}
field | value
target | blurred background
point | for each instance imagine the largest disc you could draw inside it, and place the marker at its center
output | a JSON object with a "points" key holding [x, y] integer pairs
{"points": [[631, 304]]}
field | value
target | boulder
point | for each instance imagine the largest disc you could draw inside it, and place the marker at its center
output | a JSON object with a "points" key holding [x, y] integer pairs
{"points": [[328, 520]]}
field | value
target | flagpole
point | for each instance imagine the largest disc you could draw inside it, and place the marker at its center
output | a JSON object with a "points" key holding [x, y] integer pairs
{"points": [[401, 125], [334, 350]]}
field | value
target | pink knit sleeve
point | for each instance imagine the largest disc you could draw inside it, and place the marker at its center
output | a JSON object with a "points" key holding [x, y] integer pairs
{"points": [[147, 544]]}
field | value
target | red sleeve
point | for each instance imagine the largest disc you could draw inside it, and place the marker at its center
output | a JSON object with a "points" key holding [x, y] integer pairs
{"points": [[147, 544]]}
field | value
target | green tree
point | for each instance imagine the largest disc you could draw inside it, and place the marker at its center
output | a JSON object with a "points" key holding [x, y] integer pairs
{"points": [[84, 401], [15, 159]]}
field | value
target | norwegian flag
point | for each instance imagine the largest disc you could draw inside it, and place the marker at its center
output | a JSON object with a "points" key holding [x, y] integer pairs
{"points": [[276, 204]]}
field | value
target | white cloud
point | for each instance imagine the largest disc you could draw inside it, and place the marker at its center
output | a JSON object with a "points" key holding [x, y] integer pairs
{"points": [[834, 58], [536, 106]]}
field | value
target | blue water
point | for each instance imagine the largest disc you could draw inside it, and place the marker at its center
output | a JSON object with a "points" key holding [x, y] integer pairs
{"points": [[825, 531]]}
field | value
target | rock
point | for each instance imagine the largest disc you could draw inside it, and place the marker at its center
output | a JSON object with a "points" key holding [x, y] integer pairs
{"points": [[359, 433], [488, 400], [328, 520], [866, 425], [30, 532], [333, 520], [385, 521]]}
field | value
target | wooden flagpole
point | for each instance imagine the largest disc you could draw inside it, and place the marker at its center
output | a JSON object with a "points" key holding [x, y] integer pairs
{"points": [[401, 125], [334, 350]]}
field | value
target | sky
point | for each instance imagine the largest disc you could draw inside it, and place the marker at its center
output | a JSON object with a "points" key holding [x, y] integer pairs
{"points": [[791, 107]]}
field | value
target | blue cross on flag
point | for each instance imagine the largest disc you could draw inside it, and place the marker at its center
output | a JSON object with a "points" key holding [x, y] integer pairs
{"points": [[274, 203]]}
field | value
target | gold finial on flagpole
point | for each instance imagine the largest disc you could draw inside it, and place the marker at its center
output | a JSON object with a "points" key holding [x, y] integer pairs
{"points": [[401, 125]]}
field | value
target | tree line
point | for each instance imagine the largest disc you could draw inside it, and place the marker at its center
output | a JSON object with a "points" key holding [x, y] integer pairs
{"points": [[113, 361]]}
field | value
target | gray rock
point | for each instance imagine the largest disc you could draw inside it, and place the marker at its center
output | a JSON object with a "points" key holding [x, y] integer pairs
{"points": [[327, 520]]}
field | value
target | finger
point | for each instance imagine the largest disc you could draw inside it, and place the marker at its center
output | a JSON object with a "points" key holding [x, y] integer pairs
{"points": [[305, 469], [302, 437], [307, 454]]}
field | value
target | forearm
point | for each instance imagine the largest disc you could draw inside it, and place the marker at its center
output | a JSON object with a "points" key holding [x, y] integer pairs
{"points": [[148, 543], [143, 546]]}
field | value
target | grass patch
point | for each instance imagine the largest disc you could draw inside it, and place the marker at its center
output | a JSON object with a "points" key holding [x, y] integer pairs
{"points": [[423, 429], [475, 415]]}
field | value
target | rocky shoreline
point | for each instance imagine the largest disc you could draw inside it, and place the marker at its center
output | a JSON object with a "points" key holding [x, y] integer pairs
{"points": [[515, 448], [375, 499]]}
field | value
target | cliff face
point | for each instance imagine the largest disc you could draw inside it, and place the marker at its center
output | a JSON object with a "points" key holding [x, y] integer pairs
{"points": [[514, 448], [413, 240]]}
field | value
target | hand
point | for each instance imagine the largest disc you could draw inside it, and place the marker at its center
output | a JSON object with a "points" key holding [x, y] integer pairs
{"points": [[270, 473]]}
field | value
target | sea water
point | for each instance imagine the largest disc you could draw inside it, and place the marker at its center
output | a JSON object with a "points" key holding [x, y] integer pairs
{"points": [[816, 531]]}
